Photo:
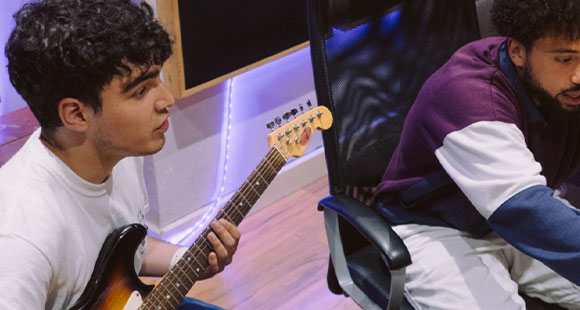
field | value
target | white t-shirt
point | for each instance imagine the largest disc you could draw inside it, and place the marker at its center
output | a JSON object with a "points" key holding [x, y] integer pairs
{"points": [[53, 225]]}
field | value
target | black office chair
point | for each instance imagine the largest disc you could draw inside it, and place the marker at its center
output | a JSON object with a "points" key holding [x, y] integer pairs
{"points": [[370, 58]]}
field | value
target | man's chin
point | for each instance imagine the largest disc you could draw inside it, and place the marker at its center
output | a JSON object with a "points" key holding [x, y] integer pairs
{"points": [[570, 108], [152, 149], [561, 112]]}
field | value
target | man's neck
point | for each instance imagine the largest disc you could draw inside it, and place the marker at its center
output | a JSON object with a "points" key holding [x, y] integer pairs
{"points": [[79, 155]]}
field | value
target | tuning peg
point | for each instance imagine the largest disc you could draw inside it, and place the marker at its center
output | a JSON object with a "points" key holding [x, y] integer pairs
{"points": [[278, 120], [270, 126], [294, 112], [301, 108], [286, 116], [309, 104]]}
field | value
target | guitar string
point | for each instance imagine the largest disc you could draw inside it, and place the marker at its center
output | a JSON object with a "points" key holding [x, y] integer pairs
{"points": [[258, 173]]}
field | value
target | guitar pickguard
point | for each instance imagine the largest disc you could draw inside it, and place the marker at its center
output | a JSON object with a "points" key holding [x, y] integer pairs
{"points": [[134, 301]]}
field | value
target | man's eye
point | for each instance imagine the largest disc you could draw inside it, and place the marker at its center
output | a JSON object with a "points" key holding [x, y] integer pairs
{"points": [[563, 60], [141, 92]]}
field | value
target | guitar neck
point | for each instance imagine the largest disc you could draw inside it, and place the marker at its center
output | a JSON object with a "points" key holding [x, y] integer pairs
{"points": [[176, 283]]}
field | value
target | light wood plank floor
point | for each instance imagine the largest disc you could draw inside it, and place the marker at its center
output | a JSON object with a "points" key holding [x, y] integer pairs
{"points": [[281, 261]]}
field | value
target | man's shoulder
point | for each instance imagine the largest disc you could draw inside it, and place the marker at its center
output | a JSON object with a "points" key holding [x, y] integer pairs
{"points": [[473, 65], [26, 174], [468, 89], [471, 81]]}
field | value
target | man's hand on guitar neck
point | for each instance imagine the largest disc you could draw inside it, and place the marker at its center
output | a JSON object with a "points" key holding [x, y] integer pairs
{"points": [[224, 239]]}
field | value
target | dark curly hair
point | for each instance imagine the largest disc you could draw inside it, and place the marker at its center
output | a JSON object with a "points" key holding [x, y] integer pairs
{"points": [[72, 48], [528, 20]]}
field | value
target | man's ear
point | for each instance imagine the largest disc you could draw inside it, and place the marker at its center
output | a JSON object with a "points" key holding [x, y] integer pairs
{"points": [[74, 114], [517, 52]]}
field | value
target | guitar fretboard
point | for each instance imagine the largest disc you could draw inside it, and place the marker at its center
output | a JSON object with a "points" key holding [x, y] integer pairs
{"points": [[171, 290]]}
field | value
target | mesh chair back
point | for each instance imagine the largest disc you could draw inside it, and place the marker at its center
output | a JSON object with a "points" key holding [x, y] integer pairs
{"points": [[370, 58]]}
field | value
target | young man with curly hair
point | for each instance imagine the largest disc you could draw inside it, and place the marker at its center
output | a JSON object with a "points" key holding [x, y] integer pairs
{"points": [[472, 186], [90, 72]]}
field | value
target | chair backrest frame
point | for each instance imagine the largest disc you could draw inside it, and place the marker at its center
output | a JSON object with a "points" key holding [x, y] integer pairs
{"points": [[369, 91]]}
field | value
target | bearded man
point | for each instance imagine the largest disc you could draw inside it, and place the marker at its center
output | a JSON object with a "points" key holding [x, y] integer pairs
{"points": [[474, 188]]}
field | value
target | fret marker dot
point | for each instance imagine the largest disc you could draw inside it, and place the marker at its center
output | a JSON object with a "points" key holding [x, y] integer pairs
{"points": [[168, 296], [258, 183], [177, 284], [197, 269], [241, 204], [189, 259], [159, 307]]}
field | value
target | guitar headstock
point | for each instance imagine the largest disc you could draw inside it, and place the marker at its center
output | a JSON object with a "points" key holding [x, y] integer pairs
{"points": [[293, 137]]}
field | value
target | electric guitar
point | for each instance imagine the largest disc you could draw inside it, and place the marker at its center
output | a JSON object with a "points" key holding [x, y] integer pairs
{"points": [[114, 283]]}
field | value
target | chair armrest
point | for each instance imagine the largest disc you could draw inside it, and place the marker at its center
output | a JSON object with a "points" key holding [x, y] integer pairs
{"points": [[372, 226]]}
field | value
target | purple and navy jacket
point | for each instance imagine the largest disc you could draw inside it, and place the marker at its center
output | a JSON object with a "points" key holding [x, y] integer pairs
{"points": [[476, 155]]}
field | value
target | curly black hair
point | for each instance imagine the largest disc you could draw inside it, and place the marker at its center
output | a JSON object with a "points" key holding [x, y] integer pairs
{"points": [[526, 21], [73, 48]]}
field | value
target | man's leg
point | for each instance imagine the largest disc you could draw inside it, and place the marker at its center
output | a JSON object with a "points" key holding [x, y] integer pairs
{"points": [[451, 270], [537, 280]]}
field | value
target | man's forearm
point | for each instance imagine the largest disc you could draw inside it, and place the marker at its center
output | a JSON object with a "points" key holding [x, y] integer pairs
{"points": [[157, 257]]}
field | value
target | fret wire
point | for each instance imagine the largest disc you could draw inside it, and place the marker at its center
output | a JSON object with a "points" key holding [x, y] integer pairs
{"points": [[266, 163], [270, 166], [235, 202], [247, 184], [281, 162], [265, 183], [156, 299], [162, 301], [186, 272], [273, 165], [186, 269], [245, 194], [195, 254], [226, 215], [235, 208], [164, 291], [169, 293], [201, 265], [173, 279], [245, 199], [255, 195], [259, 173], [246, 203], [229, 212]]}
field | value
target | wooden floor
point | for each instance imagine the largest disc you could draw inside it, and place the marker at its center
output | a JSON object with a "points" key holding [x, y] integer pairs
{"points": [[281, 261]]}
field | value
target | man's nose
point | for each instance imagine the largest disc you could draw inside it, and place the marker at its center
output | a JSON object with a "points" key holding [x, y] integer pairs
{"points": [[576, 76], [166, 98]]}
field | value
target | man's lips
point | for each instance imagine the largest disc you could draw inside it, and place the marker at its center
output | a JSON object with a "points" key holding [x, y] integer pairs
{"points": [[574, 94], [164, 126]]}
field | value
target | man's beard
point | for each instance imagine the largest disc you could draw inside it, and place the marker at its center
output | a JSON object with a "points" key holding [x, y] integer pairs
{"points": [[548, 105]]}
